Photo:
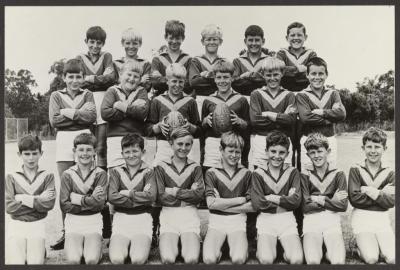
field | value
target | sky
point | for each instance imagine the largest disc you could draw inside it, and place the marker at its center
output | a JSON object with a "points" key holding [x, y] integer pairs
{"points": [[356, 41]]}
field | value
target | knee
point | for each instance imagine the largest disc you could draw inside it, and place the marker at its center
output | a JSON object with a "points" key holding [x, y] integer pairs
{"points": [[117, 258], [390, 260], [139, 259], [74, 259], [296, 258], [209, 258], [91, 260], [239, 259], [338, 259], [265, 259], [35, 260], [191, 259], [313, 259], [168, 259], [370, 259]]}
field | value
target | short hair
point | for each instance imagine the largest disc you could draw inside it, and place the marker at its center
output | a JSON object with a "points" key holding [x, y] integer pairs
{"points": [[175, 28], [315, 141], [131, 34], [29, 142], [179, 132], [277, 137], [132, 139], [132, 66], [211, 30], [85, 138], [375, 135], [73, 66], [175, 70], [231, 139], [97, 33], [270, 64], [296, 25], [317, 61], [223, 66], [254, 30]]}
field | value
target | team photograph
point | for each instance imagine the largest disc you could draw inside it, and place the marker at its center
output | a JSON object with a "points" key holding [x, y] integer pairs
{"points": [[209, 135]]}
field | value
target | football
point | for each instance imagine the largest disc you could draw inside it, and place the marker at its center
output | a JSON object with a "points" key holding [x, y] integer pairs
{"points": [[174, 120], [221, 119]]}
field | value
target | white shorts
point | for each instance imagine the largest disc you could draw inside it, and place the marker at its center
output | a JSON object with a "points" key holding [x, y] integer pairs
{"points": [[212, 155], [164, 151], [325, 222], [200, 101], [370, 221], [27, 230], [179, 220], [279, 224], [259, 155], [98, 99], [332, 157], [81, 224], [131, 225], [114, 157], [65, 144], [227, 224]]}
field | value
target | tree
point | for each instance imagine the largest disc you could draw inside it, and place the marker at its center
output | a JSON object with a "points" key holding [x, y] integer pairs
{"points": [[18, 95]]}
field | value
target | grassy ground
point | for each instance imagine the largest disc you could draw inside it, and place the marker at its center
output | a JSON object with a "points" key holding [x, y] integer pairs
{"points": [[349, 152]]}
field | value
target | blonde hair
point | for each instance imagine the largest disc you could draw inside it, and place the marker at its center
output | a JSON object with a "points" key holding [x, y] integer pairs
{"points": [[131, 34], [231, 139], [175, 70], [271, 64], [131, 66], [211, 30]]}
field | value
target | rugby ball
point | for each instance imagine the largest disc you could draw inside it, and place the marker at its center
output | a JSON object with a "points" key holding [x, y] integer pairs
{"points": [[174, 120], [221, 119]]}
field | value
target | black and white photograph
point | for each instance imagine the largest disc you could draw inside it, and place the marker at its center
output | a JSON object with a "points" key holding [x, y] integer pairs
{"points": [[211, 135]]}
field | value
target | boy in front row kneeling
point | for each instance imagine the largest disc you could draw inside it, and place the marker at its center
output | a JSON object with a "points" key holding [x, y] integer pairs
{"points": [[132, 191], [228, 198], [372, 194], [82, 197], [324, 196], [276, 193]]}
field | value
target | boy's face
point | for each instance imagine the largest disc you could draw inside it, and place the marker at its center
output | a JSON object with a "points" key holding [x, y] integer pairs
{"points": [[174, 43], [317, 76], [296, 38], [84, 154], [182, 146], [133, 155], [231, 155], [319, 157], [211, 43], [254, 43], [74, 81], [175, 85], [277, 155], [223, 81], [131, 47], [129, 79], [94, 46], [30, 158], [373, 151], [273, 78]]}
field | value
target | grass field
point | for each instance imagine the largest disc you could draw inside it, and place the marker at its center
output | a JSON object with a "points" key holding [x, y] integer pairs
{"points": [[349, 152]]}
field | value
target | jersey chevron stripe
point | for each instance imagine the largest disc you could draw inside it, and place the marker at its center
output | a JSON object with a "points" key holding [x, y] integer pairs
{"points": [[179, 179], [274, 102], [73, 103], [301, 60], [30, 188], [94, 68], [130, 183], [322, 186], [320, 103], [371, 181], [83, 186], [205, 63], [231, 184], [229, 102], [131, 97], [276, 186], [173, 106], [249, 66]]}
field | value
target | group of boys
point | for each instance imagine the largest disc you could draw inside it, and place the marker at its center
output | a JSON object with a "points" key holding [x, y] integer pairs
{"points": [[164, 196]]}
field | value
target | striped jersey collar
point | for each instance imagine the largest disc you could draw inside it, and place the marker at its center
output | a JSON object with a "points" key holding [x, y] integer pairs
{"points": [[281, 172], [365, 166], [78, 171], [90, 58], [290, 50], [245, 54], [166, 95], [21, 171], [171, 163], [143, 166], [329, 169], [164, 52], [123, 59], [216, 94], [119, 88], [206, 58], [221, 167], [308, 89], [64, 91], [266, 90]]}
